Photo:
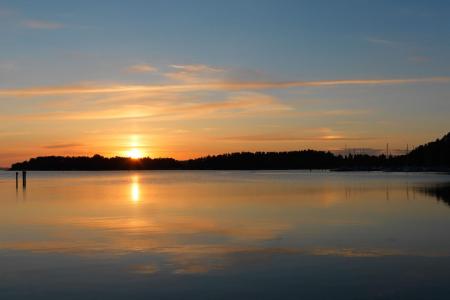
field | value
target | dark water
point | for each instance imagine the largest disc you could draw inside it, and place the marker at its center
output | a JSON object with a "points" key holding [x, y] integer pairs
{"points": [[225, 235]]}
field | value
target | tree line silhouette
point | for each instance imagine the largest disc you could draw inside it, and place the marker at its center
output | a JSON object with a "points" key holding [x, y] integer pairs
{"points": [[431, 156]]}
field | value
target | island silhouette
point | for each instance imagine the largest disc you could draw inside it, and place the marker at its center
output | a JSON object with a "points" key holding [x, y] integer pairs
{"points": [[433, 156]]}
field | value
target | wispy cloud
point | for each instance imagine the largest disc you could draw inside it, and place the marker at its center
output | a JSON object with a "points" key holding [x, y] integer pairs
{"points": [[211, 86], [141, 68], [239, 104], [62, 146], [41, 24], [193, 73], [287, 135], [398, 45], [381, 41], [197, 68], [282, 137]]}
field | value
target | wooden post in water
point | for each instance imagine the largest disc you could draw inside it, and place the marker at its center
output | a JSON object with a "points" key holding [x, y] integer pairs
{"points": [[17, 180], [24, 178]]}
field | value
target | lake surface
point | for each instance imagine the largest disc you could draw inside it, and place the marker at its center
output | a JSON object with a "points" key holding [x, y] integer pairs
{"points": [[225, 235]]}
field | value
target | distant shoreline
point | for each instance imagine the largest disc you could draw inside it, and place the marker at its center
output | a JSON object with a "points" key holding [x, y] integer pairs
{"points": [[431, 157], [338, 170]]}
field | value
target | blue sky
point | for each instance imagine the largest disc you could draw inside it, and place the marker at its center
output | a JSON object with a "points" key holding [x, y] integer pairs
{"points": [[59, 44]]}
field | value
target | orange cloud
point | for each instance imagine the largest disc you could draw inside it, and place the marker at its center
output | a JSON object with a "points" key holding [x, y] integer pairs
{"points": [[239, 104], [141, 68], [210, 86], [61, 146]]}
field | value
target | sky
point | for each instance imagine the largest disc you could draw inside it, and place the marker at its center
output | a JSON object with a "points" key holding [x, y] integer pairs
{"points": [[185, 79]]}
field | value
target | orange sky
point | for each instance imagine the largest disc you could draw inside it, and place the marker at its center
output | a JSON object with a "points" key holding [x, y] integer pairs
{"points": [[185, 81], [197, 116]]}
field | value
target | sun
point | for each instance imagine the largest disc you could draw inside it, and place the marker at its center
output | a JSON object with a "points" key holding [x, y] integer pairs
{"points": [[134, 153]]}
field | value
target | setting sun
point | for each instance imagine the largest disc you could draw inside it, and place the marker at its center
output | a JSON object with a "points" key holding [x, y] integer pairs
{"points": [[134, 153], [238, 149]]}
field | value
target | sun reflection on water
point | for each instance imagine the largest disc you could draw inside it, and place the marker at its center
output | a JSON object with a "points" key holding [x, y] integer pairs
{"points": [[135, 192]]}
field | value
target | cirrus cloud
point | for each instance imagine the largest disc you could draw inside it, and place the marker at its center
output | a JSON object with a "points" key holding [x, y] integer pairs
{"points": [[211, 86], [141, 68], [236, 105], [193, 73]]}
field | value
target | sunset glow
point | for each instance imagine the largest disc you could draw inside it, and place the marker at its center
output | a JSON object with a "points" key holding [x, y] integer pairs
{"points": [[80, 92], [235, 150], [135, 153]]}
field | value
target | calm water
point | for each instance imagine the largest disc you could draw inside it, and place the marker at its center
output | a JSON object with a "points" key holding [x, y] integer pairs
{"points": [[225, 235]]}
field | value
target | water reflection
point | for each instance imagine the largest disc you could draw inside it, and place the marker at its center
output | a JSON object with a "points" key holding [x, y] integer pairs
{"points": [[440, 191], [135, 192], [209, 223]]}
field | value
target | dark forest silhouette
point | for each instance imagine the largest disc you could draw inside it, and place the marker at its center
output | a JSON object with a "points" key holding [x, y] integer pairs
{"points": [[434, 156]]}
